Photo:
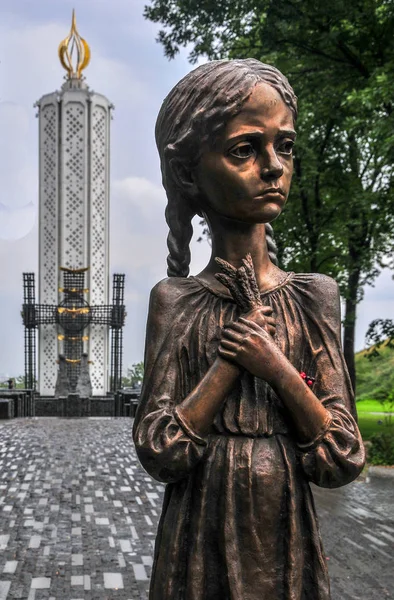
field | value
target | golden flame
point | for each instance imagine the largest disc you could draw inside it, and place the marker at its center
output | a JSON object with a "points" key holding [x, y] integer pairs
{"points": [[74, 52]]}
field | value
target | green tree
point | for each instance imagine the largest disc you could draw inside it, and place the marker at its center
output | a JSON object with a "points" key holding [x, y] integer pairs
{"points": [[339, 57], [380, 333], [19, 382], [135, 375]]}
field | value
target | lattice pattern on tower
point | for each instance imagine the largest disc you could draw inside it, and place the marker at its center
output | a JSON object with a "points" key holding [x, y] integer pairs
{"points": [[98, 207], [48, 207], [48, 223], [98, 356], [74, 180], [99, 335]]}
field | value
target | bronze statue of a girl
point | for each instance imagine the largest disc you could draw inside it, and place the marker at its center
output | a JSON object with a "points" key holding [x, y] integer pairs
{"points": [[246, 397]]}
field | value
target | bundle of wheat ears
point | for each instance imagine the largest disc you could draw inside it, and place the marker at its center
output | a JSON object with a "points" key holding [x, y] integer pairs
{"points": [[241, 283]]}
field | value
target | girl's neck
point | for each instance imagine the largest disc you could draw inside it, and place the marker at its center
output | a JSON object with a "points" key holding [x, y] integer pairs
{"points": [[232, 241]]}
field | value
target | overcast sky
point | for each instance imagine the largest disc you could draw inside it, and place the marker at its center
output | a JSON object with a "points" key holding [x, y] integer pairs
{"points": [[129, 67]]}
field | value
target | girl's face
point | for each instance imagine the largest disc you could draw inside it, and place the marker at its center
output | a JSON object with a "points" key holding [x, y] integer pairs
{"points": [[246, 176]]}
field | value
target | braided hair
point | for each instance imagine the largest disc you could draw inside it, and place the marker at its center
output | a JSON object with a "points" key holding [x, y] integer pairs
{"points": [[195, 111]]}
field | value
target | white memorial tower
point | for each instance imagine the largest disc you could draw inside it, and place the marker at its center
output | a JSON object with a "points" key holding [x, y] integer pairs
{"points": [[74, 148]]}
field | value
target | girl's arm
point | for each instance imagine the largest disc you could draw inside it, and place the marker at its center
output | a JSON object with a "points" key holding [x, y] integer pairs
{"points": [[172, 422], [249, 346], [200, 407], [331, 450]]}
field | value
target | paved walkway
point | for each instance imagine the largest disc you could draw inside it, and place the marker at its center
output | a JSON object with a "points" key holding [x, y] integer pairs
{"points": [[357, 526], [78, 518], [78, 513]]}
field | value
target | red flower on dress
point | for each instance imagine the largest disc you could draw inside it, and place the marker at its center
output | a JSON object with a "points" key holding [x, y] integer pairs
{"points": [[308, 380]]}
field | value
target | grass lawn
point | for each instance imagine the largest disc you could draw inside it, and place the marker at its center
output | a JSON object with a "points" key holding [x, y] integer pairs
{"points": [[371, 406], [368, 422], [374, 377]]}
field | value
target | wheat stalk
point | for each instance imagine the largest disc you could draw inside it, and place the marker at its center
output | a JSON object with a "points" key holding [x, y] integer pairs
{"points": [[241, 283]]}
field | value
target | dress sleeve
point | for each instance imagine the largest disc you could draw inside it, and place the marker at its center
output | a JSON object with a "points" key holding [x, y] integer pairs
{"points": [[166, 446], [336, 456]]}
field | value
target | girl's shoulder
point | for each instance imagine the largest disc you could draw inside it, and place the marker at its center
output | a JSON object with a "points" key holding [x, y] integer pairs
{"points": [[172, 287], [171, 291], [316, 282], [315, 288], [317, 292]]}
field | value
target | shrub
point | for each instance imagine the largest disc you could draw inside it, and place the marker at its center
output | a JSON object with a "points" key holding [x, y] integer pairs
{"points": [[381, 451]]}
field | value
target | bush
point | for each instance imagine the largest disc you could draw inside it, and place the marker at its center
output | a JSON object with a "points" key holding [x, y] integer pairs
{"points": [[381, 451]]}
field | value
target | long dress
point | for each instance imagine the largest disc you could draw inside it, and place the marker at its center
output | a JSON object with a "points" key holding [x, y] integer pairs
{"points": [[238, 520]]}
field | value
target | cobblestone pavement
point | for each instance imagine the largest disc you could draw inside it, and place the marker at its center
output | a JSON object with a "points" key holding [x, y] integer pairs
{"points": [[78, 513], [357, 526], [78, 517]]}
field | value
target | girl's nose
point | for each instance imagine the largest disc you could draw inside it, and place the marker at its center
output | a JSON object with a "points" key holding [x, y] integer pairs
{"points": [[271, 167]]}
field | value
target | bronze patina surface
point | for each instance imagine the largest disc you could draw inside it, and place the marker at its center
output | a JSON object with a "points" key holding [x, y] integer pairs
{"points": [[246, 397]]}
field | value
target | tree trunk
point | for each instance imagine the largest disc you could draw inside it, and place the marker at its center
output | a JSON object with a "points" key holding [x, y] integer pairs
{"points": [[350, 323]]}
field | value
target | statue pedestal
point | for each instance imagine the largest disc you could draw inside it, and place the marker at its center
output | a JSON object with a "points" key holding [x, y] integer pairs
{"points": [[76, 406]]}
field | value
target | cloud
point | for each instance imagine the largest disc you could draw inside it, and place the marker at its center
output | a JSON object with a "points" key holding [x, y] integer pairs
{"points": [[138, 228], [378, 303], [139, 249], [16, 257], [140, 195], [382, 289], [18, 174], [16, 223]]}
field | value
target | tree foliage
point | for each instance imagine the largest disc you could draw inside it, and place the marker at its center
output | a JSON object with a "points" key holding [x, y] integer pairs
{"points": [[135, 375], [375, 377], [19, 382], [339, 57], [380, 333]]}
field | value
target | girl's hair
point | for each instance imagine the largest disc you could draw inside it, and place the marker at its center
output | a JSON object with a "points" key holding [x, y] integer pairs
{"points": [[195, 111]]}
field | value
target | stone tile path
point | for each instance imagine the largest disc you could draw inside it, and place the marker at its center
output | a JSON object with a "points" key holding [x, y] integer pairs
{"points": [[78, 515], [357, 526], [78, 518]]}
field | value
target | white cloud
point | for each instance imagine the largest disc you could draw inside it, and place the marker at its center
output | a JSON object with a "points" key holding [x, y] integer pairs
{"points": [[18, 173], [140, 195], [16, 257], [138, 229], [139, 249], [378, 303], [16, 223]]}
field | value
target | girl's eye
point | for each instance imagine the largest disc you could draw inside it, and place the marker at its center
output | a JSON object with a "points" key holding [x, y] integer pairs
{"points": [[286, 147], [243, 151]]}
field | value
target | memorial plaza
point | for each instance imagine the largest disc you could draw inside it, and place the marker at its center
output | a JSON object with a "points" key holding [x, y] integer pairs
{"points": [[79, 517]]}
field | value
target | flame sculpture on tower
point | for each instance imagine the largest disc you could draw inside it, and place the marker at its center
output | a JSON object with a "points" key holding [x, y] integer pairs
{"points": [[73, 317]]}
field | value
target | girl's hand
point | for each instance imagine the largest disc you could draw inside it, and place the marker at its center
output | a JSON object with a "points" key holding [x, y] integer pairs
{"points": [[251, 346], [262, 316]]}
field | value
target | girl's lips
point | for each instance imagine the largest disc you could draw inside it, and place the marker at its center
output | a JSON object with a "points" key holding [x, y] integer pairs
{"points": [[272, 190]]}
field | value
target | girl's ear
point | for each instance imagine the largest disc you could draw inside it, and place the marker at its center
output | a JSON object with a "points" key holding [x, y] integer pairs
{"points": [[185, 178]]}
